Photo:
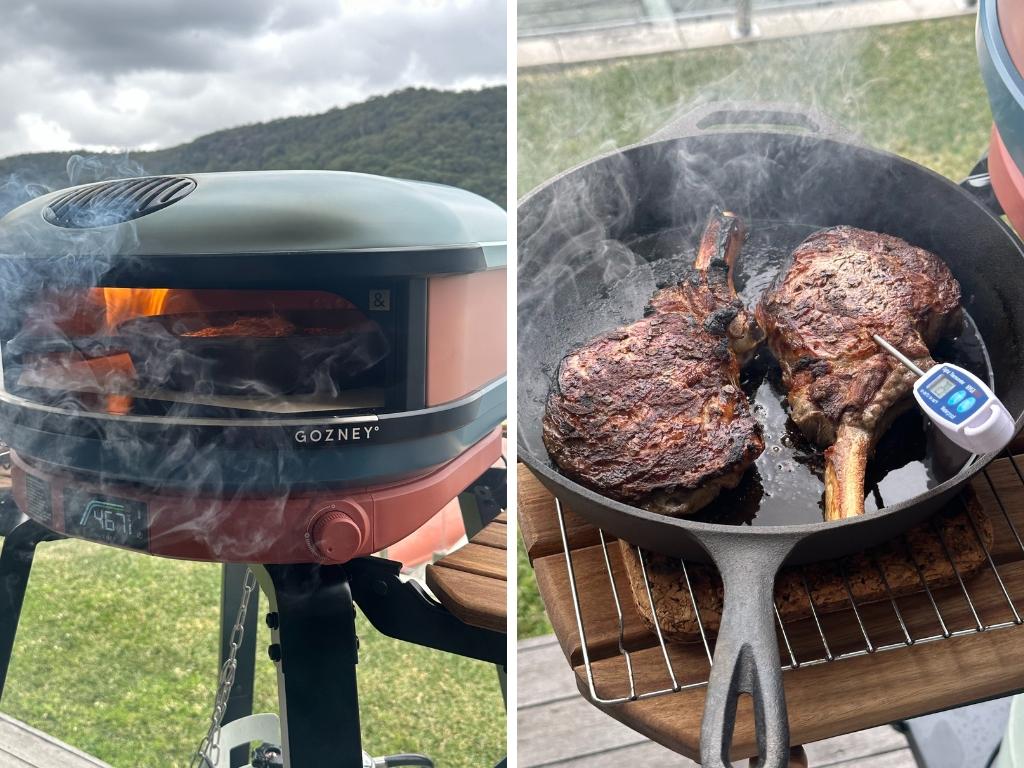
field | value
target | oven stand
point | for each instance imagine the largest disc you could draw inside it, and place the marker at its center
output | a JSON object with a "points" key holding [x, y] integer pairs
{"points": [[480, 503], [315, 647], [21, 535]]}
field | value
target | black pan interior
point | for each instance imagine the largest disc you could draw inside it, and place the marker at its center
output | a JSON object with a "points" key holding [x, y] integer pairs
{"points": [[593, 245]]}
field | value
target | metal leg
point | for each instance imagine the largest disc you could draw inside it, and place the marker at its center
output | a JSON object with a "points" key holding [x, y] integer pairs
{"points": [[239, 703], [483, 500], [403, 610], [979, 184], [15, 567], [743, 27], [315, 649], [480, 504]]}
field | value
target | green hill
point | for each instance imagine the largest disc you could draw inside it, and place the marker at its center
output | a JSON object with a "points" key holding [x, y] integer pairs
{"points": [[449, 137]]}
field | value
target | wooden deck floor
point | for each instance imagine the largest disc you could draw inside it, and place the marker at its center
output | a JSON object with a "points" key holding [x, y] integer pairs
{"points": [[558, 728], [22, 746]]}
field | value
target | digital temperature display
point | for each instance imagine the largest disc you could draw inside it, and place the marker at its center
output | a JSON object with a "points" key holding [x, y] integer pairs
{"points": [[942, 386], [109, 520]]}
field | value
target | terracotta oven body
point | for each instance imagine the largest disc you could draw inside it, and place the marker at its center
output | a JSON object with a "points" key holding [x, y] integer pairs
{"points": [[251, 367]]}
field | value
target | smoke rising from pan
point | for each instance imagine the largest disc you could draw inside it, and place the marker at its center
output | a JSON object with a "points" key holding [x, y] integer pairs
{"points": [[566, 116]]}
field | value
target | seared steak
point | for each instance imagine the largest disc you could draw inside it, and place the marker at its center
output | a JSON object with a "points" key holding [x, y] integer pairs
{"points": [[841, 286], [652, 414]]}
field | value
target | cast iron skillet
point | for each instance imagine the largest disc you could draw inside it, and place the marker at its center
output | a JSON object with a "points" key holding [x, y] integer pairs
{"points": [[575, 279]]}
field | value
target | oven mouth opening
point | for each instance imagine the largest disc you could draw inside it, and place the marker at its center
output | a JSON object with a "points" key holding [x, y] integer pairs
{"points": [[205, 353]]}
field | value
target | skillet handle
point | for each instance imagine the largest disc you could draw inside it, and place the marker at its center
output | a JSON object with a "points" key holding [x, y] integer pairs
{"points": [[746, 653], [776, 116]]}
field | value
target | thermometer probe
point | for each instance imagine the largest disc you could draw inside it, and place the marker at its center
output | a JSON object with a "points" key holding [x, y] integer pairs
{"points": [[962, 406]]}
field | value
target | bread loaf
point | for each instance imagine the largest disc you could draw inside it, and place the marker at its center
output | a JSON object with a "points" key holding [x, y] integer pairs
{"points": [[675, 610]]}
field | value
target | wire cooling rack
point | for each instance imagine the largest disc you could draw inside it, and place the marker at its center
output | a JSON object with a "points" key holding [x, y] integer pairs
{"points": [[979, 602]]}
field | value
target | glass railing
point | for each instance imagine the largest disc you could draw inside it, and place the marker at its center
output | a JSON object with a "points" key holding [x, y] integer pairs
{"points": [[540, 18]]}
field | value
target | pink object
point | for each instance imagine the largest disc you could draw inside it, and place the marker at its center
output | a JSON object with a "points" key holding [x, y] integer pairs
{"points": [[1011, 24], [1007, 180], [464, 353], [437, 536], [308, 526], [339, 532]]}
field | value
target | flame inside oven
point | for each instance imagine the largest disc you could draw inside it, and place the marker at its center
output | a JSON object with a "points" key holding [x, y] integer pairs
{"points": [[112, 348], [122, 304]]}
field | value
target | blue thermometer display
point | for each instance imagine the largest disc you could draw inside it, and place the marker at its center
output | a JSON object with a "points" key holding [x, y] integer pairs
{"points": [[950, 394], [961, 405]]}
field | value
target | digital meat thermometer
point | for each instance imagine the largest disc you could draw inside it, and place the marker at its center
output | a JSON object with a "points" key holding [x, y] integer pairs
{"points": [[960, 404]]}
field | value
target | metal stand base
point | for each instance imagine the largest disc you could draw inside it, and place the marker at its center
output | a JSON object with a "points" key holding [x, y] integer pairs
{"points": [[21, 535], [313, 628], [314, 643], [315, 648]]}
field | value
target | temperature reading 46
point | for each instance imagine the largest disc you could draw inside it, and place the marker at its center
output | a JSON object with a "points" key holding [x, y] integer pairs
{"points": [[111, 517], [122, 522]]}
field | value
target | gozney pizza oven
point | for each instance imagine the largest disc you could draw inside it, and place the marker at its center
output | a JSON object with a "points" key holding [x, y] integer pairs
{"points": [[251, 367]]}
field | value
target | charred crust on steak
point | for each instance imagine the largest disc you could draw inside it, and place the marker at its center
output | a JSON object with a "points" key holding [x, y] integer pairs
{"points": [[652, 413], [720, 320]]}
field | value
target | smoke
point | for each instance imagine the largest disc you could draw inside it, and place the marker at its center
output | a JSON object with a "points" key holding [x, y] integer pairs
{"points": [[86, 169], [63, 349], [581, 270]]}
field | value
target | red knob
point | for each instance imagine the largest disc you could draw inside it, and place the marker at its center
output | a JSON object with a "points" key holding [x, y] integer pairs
{"points": [[337, 533]]}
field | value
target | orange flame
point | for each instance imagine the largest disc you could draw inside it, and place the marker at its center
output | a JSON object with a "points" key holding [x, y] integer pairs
{"points": [[121, 304], [125, 303]]}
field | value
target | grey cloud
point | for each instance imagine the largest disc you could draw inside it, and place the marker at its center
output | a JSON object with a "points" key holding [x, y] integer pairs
{"points": [[129, 73], [118, 36]]}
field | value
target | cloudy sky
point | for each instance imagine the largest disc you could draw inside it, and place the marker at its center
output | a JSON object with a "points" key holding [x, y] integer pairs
{"points": [[143, 74]]}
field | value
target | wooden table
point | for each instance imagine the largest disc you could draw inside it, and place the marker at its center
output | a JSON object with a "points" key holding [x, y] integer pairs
{"points": [[471, 582], [22, 746], [824, 699]]}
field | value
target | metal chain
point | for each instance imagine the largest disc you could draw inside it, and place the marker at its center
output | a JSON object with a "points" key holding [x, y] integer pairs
{"points": [[209, 748]]}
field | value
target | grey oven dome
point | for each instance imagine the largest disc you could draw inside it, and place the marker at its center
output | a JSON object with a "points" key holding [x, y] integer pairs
{"points": [[264, 212]]}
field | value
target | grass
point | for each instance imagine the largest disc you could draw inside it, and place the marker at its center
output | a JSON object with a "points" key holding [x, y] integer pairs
{"points": [[117, 655], [912, 89], [532, 619]]}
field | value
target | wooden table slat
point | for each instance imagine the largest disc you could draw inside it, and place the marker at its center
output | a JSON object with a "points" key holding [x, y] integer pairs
{"points": [[478, 559], [476, 600], [494, 535], [539, 530], [472, 581], [830, 699]]}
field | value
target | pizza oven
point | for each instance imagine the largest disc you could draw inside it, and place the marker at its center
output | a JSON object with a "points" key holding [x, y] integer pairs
{"points": [[285, 366]]}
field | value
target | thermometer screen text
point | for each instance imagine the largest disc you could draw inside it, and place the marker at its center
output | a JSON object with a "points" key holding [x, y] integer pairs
{"points": [[942, 386]]}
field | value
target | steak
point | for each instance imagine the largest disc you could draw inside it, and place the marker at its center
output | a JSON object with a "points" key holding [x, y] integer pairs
{"points": [[652, 414], [841, 286]]}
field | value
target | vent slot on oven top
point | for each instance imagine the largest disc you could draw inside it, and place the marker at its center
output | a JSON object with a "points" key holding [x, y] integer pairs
{"points": [[115, 202]]}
